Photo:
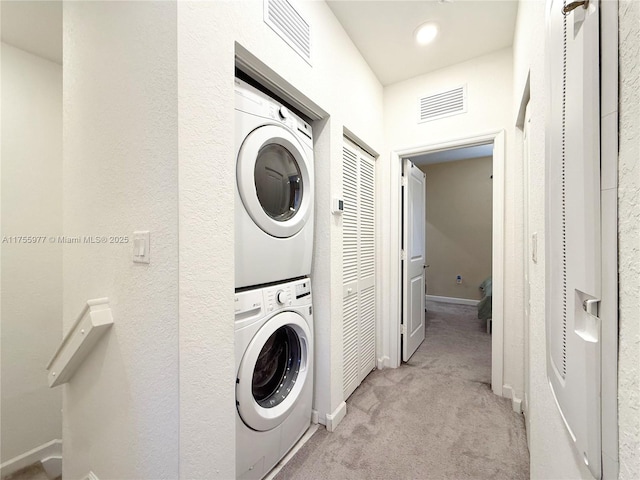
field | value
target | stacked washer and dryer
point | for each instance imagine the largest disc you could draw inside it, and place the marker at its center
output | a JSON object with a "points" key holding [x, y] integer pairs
{"points": [[273, 309]]}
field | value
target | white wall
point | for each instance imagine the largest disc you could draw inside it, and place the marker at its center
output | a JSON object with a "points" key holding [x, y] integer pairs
{"points": [[489, 86], [629, 231], [340, 82], [120, 173], [489, 81], [458, 229], [31, 273]]}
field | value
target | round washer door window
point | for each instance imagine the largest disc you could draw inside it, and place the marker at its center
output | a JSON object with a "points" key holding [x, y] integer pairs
{"points": [[275, 180], [277, 368], [273, 371]]}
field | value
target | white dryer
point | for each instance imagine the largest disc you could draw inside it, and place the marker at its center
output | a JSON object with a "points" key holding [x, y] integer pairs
{"points": [[274, 374], [274, 190]]}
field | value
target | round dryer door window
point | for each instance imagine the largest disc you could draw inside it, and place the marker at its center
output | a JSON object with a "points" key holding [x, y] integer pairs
{"points": [[273, 371], [275, 180], [278, 182]]}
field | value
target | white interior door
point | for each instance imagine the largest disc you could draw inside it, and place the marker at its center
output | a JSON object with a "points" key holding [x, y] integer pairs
{"points": [[413, 258], [573, 229]]}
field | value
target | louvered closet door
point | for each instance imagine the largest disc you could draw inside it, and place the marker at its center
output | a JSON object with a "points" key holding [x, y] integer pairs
{"points": [[358, 229]]}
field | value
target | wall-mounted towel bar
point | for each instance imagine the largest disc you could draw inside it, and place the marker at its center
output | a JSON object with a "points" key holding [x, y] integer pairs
{"points": [[93, 322]]}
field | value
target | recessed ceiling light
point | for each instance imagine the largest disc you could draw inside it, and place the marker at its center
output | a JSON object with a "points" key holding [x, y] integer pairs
{"points": [[426, 33]]}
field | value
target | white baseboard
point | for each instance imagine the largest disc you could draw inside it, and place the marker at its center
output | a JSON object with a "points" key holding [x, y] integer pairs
{"points": [[49, 449], [516, 403], [333, 419], [52, 466], [457, 301], [383, 362]]}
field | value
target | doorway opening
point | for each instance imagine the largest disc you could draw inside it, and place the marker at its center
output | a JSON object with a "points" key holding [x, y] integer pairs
{"points": [[494, 141], [458, 231]]}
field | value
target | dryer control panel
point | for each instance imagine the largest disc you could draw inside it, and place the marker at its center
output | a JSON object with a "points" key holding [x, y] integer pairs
{"points": [[251, 100], [283, 115]]}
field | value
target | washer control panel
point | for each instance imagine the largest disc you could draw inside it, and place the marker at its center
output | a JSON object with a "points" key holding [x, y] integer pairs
{"points": [[286, 295], [248, 302], [277, 297], [251, 305], [303, 289]]}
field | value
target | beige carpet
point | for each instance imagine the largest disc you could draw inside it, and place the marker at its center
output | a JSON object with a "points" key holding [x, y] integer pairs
{"points": [[32, 472], [433, 418]]}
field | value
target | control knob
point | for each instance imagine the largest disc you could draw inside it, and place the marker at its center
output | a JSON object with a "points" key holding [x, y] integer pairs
{"points": [[284, 113], [281, 297]]}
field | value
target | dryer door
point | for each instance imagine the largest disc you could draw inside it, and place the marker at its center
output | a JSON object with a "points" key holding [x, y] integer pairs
{"points": [[273, 371], [275, 180]]}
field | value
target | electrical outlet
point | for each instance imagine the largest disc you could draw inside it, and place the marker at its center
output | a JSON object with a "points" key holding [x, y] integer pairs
{"points": [[459, 279]]}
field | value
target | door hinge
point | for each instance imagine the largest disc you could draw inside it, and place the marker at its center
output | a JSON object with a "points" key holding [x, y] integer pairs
{"points": [[403, 330], [403, 255], [403, 182], [591, 306]]}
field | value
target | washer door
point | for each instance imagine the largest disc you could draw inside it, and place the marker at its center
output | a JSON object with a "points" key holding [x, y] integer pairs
{"points": [[273, 371], [275, 181]]}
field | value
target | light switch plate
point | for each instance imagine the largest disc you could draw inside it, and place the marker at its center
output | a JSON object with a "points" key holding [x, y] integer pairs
{"points": [[141, 247]]}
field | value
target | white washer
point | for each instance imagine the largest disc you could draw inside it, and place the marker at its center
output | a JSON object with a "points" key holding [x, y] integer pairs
{"points": [[274, 374], [274, 190]]}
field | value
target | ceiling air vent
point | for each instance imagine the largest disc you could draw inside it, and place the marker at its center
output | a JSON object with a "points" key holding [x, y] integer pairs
{"points": [[285, 20], [443, 104]]}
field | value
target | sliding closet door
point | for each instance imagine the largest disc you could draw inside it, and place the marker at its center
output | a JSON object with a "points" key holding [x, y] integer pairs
{"points": [[358, 253]]}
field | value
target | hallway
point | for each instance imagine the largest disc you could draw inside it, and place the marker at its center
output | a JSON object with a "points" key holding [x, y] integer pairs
{"points": [[433, 418]]}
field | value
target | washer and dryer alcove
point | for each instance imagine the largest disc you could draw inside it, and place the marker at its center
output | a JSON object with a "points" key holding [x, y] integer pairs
{"points": [[274, 213]]}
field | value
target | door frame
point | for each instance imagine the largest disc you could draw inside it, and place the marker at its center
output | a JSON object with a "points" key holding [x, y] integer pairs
{"points": [[392, 262]]}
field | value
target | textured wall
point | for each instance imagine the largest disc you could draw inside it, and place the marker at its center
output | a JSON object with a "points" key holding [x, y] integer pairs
{"points": [[459, 226], [629, 233], [31, 273], [120, 174], [206, 172]]}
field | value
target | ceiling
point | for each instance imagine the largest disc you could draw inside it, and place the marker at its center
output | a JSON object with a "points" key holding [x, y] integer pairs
{"points": [[383, 31], [465, 153], [34, 26]]}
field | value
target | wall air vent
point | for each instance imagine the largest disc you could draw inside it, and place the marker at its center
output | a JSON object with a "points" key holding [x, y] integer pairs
{"points": [[443, 104], [285, 20]]}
